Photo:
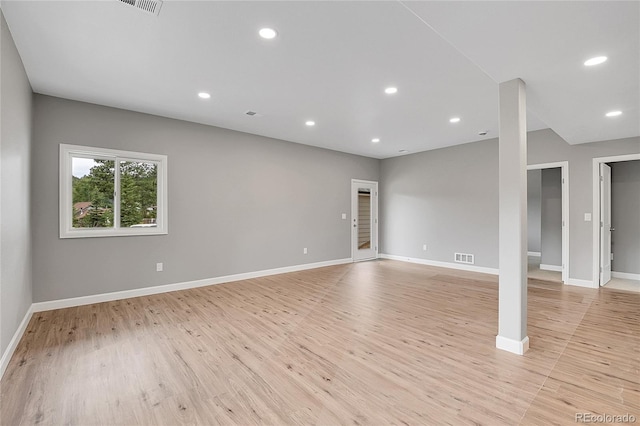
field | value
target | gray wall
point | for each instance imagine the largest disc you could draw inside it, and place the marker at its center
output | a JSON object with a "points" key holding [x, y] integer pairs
{"points": [[445, 198], [15, 170], [237, 202], [448, 198], [551, 217], [534, 188], [625, 214]]}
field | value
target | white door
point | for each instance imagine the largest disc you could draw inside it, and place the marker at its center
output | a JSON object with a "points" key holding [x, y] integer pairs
{"points": [[364, 220], [605, 224]]}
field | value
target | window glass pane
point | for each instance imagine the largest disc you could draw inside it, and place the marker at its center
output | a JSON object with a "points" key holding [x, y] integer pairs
{"points": [[364, 219], [92, 185], [138, 194]]}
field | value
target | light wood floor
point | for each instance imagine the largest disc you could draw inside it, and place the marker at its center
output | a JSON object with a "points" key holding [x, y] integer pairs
{"points": [[624, 284], [534, 271], [376, 343]]}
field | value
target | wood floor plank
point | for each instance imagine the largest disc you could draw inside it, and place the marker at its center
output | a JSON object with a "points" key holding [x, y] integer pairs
{"points": [[380, 342]]}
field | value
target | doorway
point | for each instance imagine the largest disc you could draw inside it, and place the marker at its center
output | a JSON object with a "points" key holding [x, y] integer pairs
{"points": [[548, 239], [364, 220], [604, 236]]}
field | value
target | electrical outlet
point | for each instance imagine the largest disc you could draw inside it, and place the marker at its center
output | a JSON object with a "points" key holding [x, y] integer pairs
{"points": [[424, 247], [159, 267], [304, 250]]}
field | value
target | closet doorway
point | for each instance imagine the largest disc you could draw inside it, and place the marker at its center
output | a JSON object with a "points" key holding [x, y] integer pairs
{"points": [[547, 221]]}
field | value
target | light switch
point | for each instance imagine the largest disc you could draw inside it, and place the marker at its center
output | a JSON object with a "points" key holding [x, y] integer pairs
{"points": [[344, 215], [587, 217]]}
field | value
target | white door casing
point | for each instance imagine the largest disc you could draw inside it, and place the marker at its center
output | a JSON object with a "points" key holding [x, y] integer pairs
{"points": [[564, 167], [364, 220]]}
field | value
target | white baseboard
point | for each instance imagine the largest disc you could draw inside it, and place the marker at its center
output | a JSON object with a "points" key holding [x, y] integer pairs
{"points": [[518, 347], [534, 253], [13, 344], [472, 268], [582, 283], [625, 275], [146, 291], [554, 268]]}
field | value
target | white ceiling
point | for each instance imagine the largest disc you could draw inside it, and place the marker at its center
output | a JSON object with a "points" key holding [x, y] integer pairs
{"points": [[332, 60]]}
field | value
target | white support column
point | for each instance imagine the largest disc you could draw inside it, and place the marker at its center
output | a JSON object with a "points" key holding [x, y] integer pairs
{"points": [[512, 300]]}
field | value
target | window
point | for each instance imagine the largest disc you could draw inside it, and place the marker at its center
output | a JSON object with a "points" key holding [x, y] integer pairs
{"points": [[106, 192]]}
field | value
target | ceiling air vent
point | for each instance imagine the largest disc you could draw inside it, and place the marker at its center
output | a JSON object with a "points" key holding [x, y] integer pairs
{"points": [[149, 6]]}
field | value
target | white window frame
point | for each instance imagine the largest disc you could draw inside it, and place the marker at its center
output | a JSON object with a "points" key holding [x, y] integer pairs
{"points": [[67, 152]]}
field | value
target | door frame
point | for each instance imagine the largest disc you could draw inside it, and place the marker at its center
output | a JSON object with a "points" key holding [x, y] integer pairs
{"points": [[354, 212], [564, 167], [596, 262]]}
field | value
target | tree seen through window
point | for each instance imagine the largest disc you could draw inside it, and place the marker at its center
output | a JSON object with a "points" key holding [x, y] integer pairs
{"points": [[93, 183]]}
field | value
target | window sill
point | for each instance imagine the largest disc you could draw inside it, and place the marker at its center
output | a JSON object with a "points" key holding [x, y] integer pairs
{"points": [[96, 233]]}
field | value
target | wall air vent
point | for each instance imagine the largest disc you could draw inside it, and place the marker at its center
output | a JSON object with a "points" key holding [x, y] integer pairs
{"points": [[149, 6], [464, 258]]}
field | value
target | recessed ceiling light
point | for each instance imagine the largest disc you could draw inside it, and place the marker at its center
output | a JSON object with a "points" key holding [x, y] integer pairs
{"points": [[310, 123], [454, 120], [268, 33], [595, 61], [204, 95], [613, 113], [375, 140], [403, 151], [391, 90]]}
